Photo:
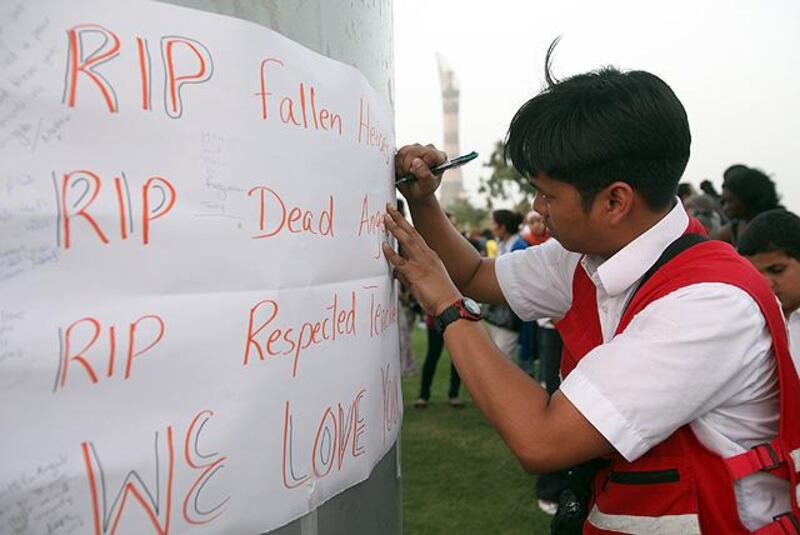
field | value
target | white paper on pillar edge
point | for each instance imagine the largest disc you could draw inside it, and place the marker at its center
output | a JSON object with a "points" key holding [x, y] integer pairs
{"points": [[197, 327]]}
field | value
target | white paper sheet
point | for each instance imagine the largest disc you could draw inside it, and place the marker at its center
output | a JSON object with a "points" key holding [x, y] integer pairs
{"points": [[197, 329]]}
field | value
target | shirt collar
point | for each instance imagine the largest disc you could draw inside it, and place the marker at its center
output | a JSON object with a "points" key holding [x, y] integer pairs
{"points": [[629, 264]]}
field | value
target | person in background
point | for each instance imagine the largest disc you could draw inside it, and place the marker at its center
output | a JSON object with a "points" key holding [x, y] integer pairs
{"points": [[405, 319], [490, 243], [432, 355], [771, 243], [704, 209], [746, 192], [548, 348], [505, 229], [503, 324], [685, 190], [535, 231], [477, 241], [708, 188]]}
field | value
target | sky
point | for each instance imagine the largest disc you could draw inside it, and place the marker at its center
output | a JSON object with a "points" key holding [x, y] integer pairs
{"points": [[734, 64]]}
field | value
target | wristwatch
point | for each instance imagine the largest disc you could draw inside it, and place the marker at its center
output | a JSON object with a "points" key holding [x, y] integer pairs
{"points": [[465, 308]]}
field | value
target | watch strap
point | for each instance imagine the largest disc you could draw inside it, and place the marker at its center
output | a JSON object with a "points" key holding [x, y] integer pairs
{"points": [[452, 313]]}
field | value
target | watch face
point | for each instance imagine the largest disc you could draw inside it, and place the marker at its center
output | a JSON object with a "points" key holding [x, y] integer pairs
{"points": [[472, 307]]}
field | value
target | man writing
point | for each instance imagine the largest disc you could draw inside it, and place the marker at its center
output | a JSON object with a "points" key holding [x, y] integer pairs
{"points": [[678, 377]]}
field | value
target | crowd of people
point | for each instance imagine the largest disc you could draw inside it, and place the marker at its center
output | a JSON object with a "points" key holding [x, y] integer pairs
{"points": [[667, 398]]}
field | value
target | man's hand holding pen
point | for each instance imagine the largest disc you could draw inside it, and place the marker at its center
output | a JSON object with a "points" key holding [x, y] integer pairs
{"points": [[418, 160]]}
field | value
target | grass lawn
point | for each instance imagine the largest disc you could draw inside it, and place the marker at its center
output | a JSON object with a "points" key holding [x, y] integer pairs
{"points": [[458, 476]]}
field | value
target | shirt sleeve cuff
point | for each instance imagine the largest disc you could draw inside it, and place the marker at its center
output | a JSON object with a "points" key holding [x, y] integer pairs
{"points": [[602, 414]]}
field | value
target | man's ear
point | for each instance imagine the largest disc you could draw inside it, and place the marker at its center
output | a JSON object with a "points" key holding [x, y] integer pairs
{"points": [[619, 198]]}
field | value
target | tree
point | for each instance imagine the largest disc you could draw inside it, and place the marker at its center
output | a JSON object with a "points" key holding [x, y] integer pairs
{"points": [[467, 215], [505, 182]]}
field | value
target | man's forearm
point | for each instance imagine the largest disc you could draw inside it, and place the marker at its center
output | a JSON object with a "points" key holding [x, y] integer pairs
{"points": [[545, 433], [458, 255], [512, 403]]}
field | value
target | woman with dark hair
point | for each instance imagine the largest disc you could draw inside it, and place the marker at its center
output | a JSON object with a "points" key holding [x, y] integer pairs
{"points": [[746, 192]]}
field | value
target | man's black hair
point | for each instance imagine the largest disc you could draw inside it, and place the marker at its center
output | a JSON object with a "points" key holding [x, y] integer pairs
{"points": [[752, 187], [772, 231], [596, 128], [508, 219]]}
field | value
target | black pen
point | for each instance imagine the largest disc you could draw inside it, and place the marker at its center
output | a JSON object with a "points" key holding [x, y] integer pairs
{"points": [[439, 169]]}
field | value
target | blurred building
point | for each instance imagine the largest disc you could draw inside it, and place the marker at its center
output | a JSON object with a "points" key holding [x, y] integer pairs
{"points": [[452, 188]]}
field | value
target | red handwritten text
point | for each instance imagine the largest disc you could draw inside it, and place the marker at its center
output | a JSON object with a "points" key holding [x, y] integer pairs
{"points": [[371, 224], [338, 321], [274, 216], [156, 503], [381, 315], [300, 109], [370, 133], [338, 436], [81, 188], [391, 401], [82, 337], [184, 60]]}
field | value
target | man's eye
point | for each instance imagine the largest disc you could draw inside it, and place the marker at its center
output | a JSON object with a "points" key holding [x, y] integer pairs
{"points": [[775, 270]]}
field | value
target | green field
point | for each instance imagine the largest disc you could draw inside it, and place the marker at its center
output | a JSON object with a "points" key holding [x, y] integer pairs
{"points": [[458, 476]]}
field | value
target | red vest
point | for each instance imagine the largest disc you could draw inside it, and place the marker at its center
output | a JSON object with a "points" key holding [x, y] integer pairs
{"points": [[689, 489]]}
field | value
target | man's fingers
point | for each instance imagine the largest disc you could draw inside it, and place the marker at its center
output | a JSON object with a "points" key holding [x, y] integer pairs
{"points": [[398, 263], [392, 256], [399, 275], [401, 229], [398, 219], [422, 169], [418, 159], [433, 156], [402, 160], [404, 237], [407, 156]]}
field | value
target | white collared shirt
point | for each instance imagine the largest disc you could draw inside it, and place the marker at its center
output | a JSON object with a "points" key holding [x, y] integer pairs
{"points": [[700, 355], [793, 323]]}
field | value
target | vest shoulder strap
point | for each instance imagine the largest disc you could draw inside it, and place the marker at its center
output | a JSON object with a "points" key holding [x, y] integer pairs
{"points": [[675, 248]]}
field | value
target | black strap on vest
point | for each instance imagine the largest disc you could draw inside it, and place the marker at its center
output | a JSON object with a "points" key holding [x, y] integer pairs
{"points": [[673, 249]]}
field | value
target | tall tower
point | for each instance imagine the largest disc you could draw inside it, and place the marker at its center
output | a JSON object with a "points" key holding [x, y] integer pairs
{"points": [[452, 188]]}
